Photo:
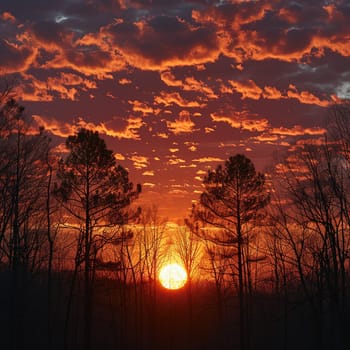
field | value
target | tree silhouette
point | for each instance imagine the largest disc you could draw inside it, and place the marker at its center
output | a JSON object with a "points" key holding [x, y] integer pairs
{"points": [[232, 198], [22, 187], [313, 226], [97, 193]]}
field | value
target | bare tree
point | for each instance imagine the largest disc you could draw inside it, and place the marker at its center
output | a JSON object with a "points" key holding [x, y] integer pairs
{"points": [[22, 186], [313, 224]]}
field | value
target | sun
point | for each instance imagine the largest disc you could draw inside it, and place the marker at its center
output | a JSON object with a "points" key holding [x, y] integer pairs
{"points": [[172, 276]]}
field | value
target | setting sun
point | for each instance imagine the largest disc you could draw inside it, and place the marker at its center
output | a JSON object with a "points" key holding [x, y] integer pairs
{"points": [[172, 276]]}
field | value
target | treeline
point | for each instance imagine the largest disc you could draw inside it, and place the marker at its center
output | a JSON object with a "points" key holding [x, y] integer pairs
{"points": [[267, 256]]}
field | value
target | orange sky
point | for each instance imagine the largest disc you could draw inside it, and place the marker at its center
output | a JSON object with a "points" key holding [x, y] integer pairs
{"points": [[176, 87]]}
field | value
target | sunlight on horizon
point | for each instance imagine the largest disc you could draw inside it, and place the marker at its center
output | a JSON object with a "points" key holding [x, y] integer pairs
{"points": [[172, 276]]}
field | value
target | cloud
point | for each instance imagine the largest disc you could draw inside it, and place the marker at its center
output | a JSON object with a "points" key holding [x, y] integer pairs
{"points": [[239, 120], [162, 135], [343, 90], [169, 79], [298, 130], [208, 130], [148, 173], [188, 166], [271, 93], [148, 184], [34, 90], [124, 81], [306, 97], [183, 124], [7, 16], [140, 162], [188, 84], [208, 160], [248, 89], [71, 79], [170, 98], [178, 43], [117, 127], [192, 84], [192, 146], [61, 47], [283, 30], [178, 192], [119, 156], [175, 160], [56, 127], [142, 107], [15, 58], [110, 38], [66, 86], [268, 138]]}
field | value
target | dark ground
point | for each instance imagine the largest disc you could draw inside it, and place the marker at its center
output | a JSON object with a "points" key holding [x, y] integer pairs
{"points": [[135, 318]]}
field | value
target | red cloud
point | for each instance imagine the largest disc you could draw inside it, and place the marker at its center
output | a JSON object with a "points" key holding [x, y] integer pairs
{"points": [[183, 124], [306, 97], [300, 30], [298, 130], [169, 98], [175, 160], [142, 107], [15, 58], [239, 120], [178, 43], [118, 128], [140, 162], [189, 84], [61, 48], [65, 85], [169, 79], [248, 89], [240, 30], [7, 16], [271, 93], [208, 160]]}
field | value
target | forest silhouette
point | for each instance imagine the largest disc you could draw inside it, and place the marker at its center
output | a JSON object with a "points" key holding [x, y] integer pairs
{"points": [[267, 255]]}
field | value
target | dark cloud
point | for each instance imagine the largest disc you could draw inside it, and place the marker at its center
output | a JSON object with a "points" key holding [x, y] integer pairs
{"points": [[52, 34], [14, 58], [152, 76], [164, 41]]}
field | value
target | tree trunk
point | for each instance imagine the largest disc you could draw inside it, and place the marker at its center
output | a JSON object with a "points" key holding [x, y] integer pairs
{"points": [[242, 321], [49, 268]]}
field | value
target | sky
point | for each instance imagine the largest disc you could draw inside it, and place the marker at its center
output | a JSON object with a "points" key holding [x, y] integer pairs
{"points": [[177, 87]]}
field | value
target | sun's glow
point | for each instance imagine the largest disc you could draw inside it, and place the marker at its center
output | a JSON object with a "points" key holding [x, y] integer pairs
{"points": [[172, 276]]}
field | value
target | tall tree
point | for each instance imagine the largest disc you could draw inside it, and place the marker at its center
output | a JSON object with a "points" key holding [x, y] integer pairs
{"points": [[97, 193], [22, 184], [232, 198], [312, 224]]}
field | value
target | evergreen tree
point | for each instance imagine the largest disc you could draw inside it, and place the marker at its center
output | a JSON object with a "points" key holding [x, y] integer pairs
{"points": [[232, 197], [97, 193]]}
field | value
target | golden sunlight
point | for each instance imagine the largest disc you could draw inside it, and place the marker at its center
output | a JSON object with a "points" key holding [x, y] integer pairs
{"points": [[172, 276]]}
